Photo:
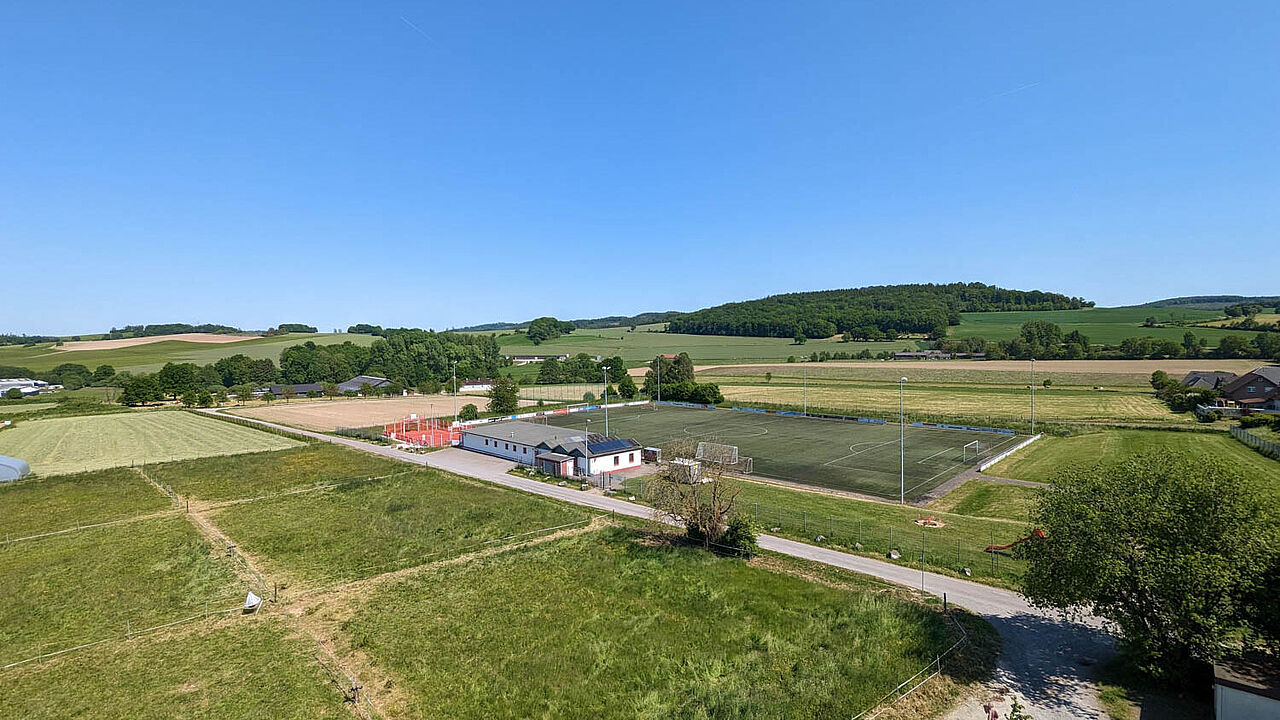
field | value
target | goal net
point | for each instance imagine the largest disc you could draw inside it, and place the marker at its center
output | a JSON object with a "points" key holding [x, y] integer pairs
{"points": [[717, 453], [971, 451]]}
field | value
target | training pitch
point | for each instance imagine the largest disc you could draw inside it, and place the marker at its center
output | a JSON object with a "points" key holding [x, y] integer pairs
{"points": [[836, 454]]}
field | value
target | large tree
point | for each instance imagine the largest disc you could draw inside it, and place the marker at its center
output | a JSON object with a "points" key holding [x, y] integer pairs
{"points": [[504, 397], [1169, 547]]}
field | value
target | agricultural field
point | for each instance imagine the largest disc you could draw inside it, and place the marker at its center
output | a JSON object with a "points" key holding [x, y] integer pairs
{"points": [[38, 505], [58, 446], [1044, 459], [641, 346], [1106, 326], [231, 477], [838, 454], [240, 668], [151, 356], [19, 408], [366, 528], [633, 628], [989, 405], [327, 415], [93, 584]]}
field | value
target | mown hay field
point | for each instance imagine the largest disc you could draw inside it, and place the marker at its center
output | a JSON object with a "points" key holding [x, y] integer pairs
{"points": [[92, 442]]}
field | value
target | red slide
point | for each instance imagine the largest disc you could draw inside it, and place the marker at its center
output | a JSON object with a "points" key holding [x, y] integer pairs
{"points": [[1037, 533]]}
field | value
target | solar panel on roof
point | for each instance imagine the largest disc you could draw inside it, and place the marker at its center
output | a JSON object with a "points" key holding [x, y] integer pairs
{"points": [[613, 445]]}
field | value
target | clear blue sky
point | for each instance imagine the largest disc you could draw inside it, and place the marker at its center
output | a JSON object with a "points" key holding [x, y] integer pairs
{"points": [[445, 164]]}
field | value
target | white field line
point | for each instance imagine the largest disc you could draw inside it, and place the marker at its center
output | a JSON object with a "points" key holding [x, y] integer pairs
{"points": [[859, 452], [935, 454]]}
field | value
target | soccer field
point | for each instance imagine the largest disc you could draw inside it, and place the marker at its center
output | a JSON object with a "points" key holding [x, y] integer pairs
{"points": [[837, 454]]}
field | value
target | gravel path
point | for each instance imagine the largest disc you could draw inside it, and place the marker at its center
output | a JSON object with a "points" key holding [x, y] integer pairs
{"points": [[1046, 660]]}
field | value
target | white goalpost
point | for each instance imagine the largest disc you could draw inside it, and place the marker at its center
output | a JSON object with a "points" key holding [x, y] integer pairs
{"points": [[971, 451]]}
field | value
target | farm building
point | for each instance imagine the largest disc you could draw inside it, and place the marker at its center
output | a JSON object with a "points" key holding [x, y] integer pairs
{"points": [[300, 389], [1207, 379], [359, 381], [1258, 389], [526, 359], [476, 385], [26, 386], [552, 448], [11, 468]]}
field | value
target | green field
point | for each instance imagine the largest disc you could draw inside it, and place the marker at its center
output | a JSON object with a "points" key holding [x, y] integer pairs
{"points": [[152, 356], [1044, 459], [92, 442], [70, 589], [37, 505], [17, 409], [1101, 325], [253, 667], [603, 625], [367, 528], [229, 477], [838, 454], [983, 498]]}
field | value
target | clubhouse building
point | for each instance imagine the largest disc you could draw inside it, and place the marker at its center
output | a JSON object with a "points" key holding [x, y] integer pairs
{"points": [[554, 450]]}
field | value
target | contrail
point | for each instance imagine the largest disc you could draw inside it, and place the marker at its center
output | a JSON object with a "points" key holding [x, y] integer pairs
{"points": [[417, 29], [1028, 86]]}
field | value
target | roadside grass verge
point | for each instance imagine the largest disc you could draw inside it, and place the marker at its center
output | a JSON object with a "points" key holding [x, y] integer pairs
{"points": [[231, 477], [246, 667], [1043, 460], [983, 498], [69, 589], [363, 529], [617, 624], [873, 529], [37, 505], [93, 442]]}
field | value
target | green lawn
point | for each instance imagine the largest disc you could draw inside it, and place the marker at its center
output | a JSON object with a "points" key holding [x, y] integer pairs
{"points": [[18, 408], [982, 498], [38, 505], [231, 477], [368, 528], [1101, 325], [58, 446], [1046, 457], [602, 625], [82, 586], [152, 356], [252, 667]]}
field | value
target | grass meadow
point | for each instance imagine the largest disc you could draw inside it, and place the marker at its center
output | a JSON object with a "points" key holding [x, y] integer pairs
{"points": [[230, 477], [607, 625], [1101, 325], [92, 442], [366, 528], [38, 505], [69, 589], [242, 668], [983, 498], [1044, 459]]}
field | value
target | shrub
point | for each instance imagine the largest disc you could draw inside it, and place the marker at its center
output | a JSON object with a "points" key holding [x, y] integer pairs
{"points": [[468, 412]]}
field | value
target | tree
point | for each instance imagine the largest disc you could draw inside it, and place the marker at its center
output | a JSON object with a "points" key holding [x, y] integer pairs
{"points": [[547, 328], [800, 339], [268, 396], [627, 387], [1165, 545], [190, 398], [366, 389], [13, 394], [705, 505], [288, 392], [588, 397], [550, 372], [204, 399], [139, 390], [1232, 346], [221, 395], [102, 374], [504, 396], [330, 390], [468, 412], [768, 377], [177, 378], [243, 393]]}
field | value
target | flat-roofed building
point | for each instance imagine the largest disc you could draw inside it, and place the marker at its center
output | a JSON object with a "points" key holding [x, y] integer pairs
{"points": [[547, 445]]}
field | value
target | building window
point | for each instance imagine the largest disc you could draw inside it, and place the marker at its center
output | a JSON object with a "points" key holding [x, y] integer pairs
{"points": [[617, 460], [1252, 389], [631, 457]]}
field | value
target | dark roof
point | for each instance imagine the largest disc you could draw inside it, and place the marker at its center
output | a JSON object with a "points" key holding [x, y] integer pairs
{"points": [[611, 445], [1270, 372], [1208, 378], [527, 433], [1255, 673], [300, 388], [553, 457], [358, 381]]}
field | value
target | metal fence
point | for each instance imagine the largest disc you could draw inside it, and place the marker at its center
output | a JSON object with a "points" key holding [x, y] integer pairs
{"points": [[905, 543], [1266, 447]]}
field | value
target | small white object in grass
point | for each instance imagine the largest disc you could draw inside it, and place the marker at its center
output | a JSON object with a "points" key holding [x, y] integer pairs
{"points": [[251, 602]]}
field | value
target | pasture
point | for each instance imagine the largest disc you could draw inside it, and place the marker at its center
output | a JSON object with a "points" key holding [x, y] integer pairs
{"points": [[983, 498], [1043, 460], [608, 624], [38, 505], [838, 454], [231, 477], [1106, 326], [92, 442]]}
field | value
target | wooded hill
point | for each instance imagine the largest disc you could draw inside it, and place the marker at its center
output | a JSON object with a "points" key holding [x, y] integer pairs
{"points": [[870, 313]]}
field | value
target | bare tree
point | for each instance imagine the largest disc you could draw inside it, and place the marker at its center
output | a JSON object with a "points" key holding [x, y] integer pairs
{"points": [[701, 498]]}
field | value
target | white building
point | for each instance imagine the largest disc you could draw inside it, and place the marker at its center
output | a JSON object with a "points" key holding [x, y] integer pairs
{"points": [[548, 446], [26, 386], [1246, 688]]}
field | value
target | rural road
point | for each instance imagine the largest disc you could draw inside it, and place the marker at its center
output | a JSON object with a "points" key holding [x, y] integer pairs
{"points": [[1043, 654]]}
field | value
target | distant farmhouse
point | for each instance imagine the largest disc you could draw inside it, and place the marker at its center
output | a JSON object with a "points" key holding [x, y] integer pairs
{"points": [[936, 355], [1258, 389], [1207, 379], [527, 359], [354, 385], [553, 450], [359, 381]]}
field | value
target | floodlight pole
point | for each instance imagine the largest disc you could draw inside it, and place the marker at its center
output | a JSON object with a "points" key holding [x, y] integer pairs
{"points": [[455, 391], [586, 450], [1033, 396], [605, 369], [902, 448]]}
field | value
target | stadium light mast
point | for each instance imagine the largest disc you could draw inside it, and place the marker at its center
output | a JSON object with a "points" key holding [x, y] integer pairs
{"points": [[902, 448], [455, 391], [1033, 396], [605, 370]]}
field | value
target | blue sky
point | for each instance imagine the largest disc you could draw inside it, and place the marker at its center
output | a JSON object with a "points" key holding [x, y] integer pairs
{"points": [[445, 164]]}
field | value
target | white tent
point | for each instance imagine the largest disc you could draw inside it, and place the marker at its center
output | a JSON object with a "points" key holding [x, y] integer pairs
{"points": [[11, 468]]}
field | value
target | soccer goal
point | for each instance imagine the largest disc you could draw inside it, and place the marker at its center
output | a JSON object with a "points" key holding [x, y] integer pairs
{"points": [[972, 451], [718, 453]]}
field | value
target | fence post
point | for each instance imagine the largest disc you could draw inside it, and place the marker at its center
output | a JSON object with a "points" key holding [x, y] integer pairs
{"points": [[806, 521]]}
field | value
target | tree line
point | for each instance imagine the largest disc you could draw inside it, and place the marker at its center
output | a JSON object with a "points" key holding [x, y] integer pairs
{"points": [[1044, 340], [871, 313]]}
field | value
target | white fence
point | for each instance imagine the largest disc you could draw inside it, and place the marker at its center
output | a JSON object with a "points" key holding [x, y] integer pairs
{"points": [[988, 463]]}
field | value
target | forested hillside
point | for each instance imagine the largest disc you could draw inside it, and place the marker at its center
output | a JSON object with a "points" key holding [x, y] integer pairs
{"points": [[409, 355], [870, 313]]}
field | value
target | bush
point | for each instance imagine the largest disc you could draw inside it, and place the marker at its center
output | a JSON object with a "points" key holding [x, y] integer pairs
{"points": [[468, 412], [741, 535], [14, 394]]}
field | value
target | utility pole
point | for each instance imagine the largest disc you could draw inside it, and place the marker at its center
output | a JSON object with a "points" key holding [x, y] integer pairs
{"points": [[455, 391], [605, 369], [902, 448], [1033, 396], [586, 450]]}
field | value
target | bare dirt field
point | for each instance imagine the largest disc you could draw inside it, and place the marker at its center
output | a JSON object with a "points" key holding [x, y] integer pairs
{"points": [[131, 342], [329, 415]]}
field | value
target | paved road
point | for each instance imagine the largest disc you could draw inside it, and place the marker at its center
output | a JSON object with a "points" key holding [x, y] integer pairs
{"points": [[1042, 655]]}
